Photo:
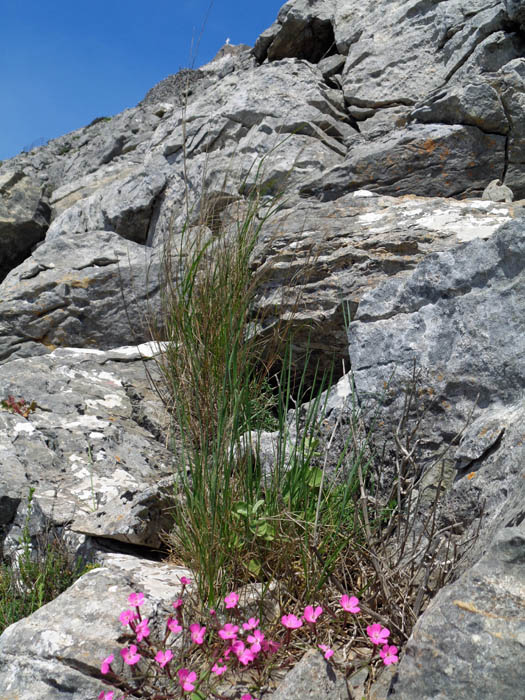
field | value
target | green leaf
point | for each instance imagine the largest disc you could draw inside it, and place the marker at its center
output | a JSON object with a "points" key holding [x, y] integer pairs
{"points": [[197, 695], [257, 505], [315, 477], [241, 508], [254, 567]]}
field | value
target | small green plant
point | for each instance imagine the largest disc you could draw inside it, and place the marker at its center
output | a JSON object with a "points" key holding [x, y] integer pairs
{"points": [[64, 149], [18, 406], [38, 575], [97, 120]]}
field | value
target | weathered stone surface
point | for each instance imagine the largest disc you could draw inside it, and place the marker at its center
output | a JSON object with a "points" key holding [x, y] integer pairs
{"points": [[84, 448], [468, 642], [490, 478], [74, 291], [24, 218], [303, 29], [77, 189], [123, 206], [312, 678], [515, 11], [469, 300], [56, 653], [315, 257], [458, 319], [476, 104], [177, 89], [510, 84], [235, 139], [401, 98], [422, 159], [496, 191]]}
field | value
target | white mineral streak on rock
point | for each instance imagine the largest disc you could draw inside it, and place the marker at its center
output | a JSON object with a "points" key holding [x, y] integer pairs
{"points": [[481, 205], [52, 641], [465, 227], [109, 401], [24, 428], [107, 376], [344, 386], [86, 422], [364, 193], [371, 217]]}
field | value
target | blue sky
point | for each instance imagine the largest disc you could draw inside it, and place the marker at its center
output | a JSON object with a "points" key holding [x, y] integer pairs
{"points": [[65, 62]]}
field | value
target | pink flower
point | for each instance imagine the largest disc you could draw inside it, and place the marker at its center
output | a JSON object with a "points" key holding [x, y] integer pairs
{"points": [[327, 651], [212, 611], [186, 679], [108, 695], [197, 633], [247, 696], [127, 617], [136, 599], [229, 631], [231, 600], [269, 646], [251, 624], [256, 639], [237, 647], [350, 604], [177, 603], [246, 656], [311, 615], [219, 670], [162, 658], [291, 622], [130, 655], [185, 581], [173, 625], [377, 634], [389, 655], [142, 630], [106, 664]]}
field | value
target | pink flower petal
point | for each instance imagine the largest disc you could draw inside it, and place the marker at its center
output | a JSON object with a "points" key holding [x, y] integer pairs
{"points": [[291, 622], [327, 651], [231, 600], [311, 614], [130, 655], [350, 604], [377, 633], [106, 664], [136, 599]]}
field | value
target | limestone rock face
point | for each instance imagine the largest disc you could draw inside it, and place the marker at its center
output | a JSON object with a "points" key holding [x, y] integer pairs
{"points": [[379, 124], [314, 257], [87, 448], [460, 315], [44, 657], [24, 218], [67, 294], [448, 654]]}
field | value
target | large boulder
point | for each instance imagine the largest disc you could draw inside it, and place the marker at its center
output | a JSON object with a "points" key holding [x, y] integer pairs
{"points": [[125, 206], [86, 433], [80, 290], [314, 258], [468, 642], [24, 218], [56, 653], [457, 323]]}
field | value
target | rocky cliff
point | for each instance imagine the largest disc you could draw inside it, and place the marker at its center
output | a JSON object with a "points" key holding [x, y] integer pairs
{"points": [[383, 121]]}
